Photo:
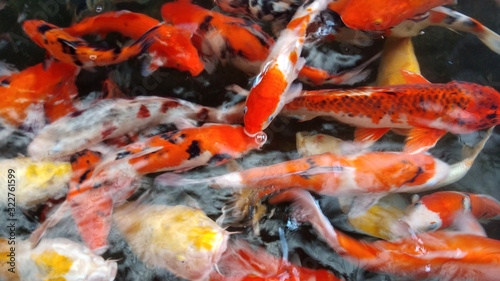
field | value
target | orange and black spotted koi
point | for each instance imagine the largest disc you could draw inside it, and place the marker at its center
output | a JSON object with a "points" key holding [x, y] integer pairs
{"points": [[188, 148], [427, 110], [171, 46], [78, 52]]}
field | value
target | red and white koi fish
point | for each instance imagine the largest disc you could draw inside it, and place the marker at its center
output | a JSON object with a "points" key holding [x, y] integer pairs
{"points": [[442, 254], [171, 46], [442, 209], [373, 172], [187, 148], [429, 111], [52, 88], [447, 18], [241, 43], [241, 262], [180, 239], [272, 87], [76, 51], [112, 118]]}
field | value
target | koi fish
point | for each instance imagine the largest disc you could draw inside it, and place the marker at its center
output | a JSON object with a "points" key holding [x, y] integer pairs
{"points": [[171, 46], [180, 239], [381, 15], [22, 91], [55, 259], [76, 51], [34, 182], [442, 254], [188, 148], [335, 175], [442, 209], [219, 38], [444, 17], [429, 111], [241, 262], [272, 87], [111, 118]]}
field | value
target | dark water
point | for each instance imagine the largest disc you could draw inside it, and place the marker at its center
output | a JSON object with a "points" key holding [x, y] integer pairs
{"points": [[443, 55]]}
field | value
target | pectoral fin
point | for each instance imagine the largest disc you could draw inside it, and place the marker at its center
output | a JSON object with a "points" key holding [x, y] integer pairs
{"points": [[369, 134], [412, 77], [421, 139]]}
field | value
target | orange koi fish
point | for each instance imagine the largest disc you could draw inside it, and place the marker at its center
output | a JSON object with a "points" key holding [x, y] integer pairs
{"points": [[381, 15], [272, 87], [428, 110], [171, 46], [112, 118], [241, 262], [240, 42], [188, 148], [373, 172], [444, 255], [54, 88], [442, 209], [76, 51]]}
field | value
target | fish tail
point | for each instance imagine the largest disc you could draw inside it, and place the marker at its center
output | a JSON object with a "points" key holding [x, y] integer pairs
{"points": [[445, 17], [148, 38]]}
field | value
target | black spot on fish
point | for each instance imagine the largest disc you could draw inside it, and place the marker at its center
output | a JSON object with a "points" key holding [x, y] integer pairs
{"points": [[122, 154], [449, 20], [419, 172], [77, 62], [169, 135], [205, 25], [491, 116], [460, 122], [83, 177], [217, 158], [391, 93], [193, 150], [76, 113], [44, 28], [5, 82], [117, 50], [470, 23], [68, 47]]}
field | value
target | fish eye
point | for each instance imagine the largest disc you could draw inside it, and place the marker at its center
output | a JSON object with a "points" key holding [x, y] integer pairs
{"points": [[261, 138], [245, 110], [270, 118]]}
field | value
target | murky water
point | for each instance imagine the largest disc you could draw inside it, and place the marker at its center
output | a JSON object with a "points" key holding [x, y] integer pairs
{"points": [[443, 55]]}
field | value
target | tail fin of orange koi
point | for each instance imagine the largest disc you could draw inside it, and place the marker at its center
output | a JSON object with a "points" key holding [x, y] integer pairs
{"points": [[173, 179]]}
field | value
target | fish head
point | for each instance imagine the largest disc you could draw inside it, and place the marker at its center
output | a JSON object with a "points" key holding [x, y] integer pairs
{"points": [[421, 219], [36, 29], [486, 103], [374, 15]]}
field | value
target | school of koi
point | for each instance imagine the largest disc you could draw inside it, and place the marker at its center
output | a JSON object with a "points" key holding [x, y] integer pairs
{"points": [[234, 199]]}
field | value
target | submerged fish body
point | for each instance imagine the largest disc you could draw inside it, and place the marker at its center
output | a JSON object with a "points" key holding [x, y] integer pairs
{"points": [[445, 255], [171, 46], [32, 182], [180, 239], [241, 262], [78, 52], [55, 259], [330, 174], [53, 88], [430, 110], [217, 36], [108, 119], [442, 209], [188, 148]]}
